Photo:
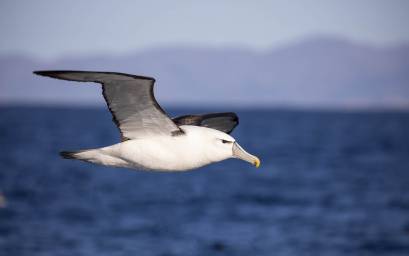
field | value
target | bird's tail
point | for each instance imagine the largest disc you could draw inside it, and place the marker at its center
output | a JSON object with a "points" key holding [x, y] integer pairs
{"points": [[95, 156], [68, 154], [78, 154]]}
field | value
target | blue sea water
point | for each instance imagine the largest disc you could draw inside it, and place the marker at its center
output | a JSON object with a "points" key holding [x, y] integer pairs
{"points": [[330, 183]]}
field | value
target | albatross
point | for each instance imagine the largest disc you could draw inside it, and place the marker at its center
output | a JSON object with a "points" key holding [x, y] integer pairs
{"points": [[150, 139]]}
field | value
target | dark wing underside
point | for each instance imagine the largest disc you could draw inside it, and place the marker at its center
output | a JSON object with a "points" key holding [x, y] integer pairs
{"points": [[129, 98], [224, 122]]}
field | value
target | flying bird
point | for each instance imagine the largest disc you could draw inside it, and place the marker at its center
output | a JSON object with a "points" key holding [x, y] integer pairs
{"points": [[150, 139]]}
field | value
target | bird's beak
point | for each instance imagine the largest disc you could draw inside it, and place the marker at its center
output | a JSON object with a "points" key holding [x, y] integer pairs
{"points": [[239, 152]]}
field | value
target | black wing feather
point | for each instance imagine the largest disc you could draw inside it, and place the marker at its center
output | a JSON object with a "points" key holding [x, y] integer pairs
{"points": [[224, 122]]}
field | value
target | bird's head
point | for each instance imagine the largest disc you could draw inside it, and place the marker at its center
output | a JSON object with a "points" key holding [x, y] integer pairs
{"points": [[218, 146]]}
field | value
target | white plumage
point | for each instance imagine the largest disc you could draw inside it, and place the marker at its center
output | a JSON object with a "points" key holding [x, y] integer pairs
{"points": [[150, 139]]}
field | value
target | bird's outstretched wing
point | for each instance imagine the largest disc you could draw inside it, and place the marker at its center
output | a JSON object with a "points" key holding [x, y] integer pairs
{"points": [[130, 99], [224, 122]]}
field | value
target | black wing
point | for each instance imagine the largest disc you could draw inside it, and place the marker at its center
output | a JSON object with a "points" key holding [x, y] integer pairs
{"points": [[129, 98], [224, 122]]}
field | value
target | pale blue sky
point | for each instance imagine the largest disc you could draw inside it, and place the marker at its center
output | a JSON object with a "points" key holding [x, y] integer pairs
{"points": [[49, 28]]}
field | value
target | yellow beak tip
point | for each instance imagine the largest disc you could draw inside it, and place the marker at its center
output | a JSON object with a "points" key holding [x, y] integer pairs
{"points": [[257, 163]]}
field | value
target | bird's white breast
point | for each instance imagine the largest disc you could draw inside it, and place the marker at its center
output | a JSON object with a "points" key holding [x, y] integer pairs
{"points": [[167, 153]]}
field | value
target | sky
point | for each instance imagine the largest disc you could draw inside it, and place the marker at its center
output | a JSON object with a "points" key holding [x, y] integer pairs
{"points": [[52, 29]]}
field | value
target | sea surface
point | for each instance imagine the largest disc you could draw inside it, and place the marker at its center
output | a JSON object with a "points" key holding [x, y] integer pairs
{"points": [[330, 183]]}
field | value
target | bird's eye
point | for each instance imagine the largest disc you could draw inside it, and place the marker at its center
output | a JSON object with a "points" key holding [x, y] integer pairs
{"points": [[226, 141]]}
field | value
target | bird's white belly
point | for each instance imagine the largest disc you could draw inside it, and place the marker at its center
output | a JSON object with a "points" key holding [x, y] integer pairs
{"points": [[159, 154]]}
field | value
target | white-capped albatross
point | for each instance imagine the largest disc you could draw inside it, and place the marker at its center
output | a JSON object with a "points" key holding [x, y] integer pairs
{"points": [[150, 140]]}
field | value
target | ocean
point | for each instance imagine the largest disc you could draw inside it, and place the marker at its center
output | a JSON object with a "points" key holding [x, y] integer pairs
{"points": [[330, 183]]}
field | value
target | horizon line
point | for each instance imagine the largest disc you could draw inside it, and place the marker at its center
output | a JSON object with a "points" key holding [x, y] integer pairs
{"points": [[167, 105]]}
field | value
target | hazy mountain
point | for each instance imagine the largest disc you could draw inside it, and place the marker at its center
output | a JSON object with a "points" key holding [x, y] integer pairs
{"points": [[317, 72]]}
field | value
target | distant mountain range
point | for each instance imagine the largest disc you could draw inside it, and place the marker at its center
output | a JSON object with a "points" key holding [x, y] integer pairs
{"points": [[319, 72]]}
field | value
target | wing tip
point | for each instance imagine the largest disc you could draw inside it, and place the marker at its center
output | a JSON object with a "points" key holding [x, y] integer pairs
{"points": [[49, 73], [40, 72]]}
